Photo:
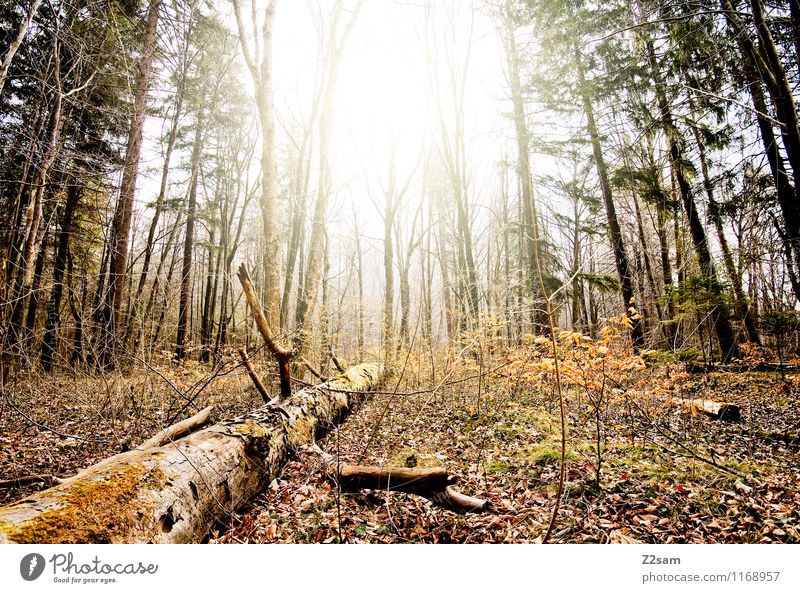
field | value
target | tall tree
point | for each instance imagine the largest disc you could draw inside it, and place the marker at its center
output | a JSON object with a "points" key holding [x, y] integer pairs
{"points": [[121, 224], [308, 295], [675, 143], [614, 229], [24, 27], [524, 172], [258, 57]]}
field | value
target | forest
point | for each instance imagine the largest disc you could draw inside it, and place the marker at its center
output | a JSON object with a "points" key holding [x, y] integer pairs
{"points": [[386, 271]]}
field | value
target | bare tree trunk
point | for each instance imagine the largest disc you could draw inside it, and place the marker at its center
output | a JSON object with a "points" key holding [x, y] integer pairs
{"points": [[121, 224], [51, 328], [577, 283], [210, 299], [24, 26], [13, 249], [447, 297], [528, 197], [762, 62], [188, 245], [306, 305], [76, 354], [651, 281], [360, 272], [282, 355], [162, 192], [614, 230], [388, 269], [787, 198], [259, 61], [33, 301], [742, 306]]}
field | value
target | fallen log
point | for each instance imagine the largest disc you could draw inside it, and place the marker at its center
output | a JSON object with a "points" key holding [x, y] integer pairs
{"points": [[176, 493], [177, 430], [433, 483], [719, 410], [761, 367], [414, 480]]}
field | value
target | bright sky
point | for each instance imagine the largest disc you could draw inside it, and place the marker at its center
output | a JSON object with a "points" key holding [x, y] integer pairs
{"points": [[384, 90], [397, 59]]}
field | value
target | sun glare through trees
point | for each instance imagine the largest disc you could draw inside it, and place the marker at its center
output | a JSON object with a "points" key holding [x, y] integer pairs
{"points": [[399, 271]]}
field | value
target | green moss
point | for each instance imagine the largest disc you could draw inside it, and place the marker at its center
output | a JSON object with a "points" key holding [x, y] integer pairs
{"points": [[93, 510], [496, 467], [251, 428], [359, 378], [546, 456], [302, 430], [546, 453], [508, 432], [257, 437], [535, 419]]}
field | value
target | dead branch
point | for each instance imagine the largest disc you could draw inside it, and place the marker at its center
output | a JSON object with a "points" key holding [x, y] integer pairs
{"points": [[253, 376], [178, 430], [282, 355]]}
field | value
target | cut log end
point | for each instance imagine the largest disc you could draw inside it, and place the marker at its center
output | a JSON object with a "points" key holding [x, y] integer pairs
{"points": [[466, 503]]}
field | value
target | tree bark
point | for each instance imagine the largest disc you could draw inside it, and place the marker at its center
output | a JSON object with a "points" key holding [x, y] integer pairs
{"points": [[742, 305], [761, 62], [282, 355], [121, 224], [51, 338], [165, 170], [524, 173], [178, 492], [259, 62], [251, 372], [188, 246], [34, 231], [433, 483], [388, 266]]}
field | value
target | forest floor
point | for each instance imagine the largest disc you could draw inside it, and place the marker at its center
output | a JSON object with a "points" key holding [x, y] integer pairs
{"points": [[667, 475]]}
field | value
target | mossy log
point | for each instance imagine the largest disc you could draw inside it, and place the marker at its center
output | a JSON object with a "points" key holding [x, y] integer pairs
{"points": [[177, 492], [719, 410]]}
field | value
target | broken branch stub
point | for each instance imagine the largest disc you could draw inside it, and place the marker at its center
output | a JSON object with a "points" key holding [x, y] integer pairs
{"points": [[282, 355]]}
